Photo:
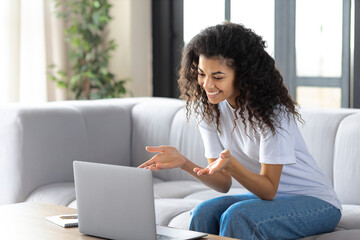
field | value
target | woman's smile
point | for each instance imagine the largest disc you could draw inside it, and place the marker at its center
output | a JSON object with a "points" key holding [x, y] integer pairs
{"points": [[212, 94]]}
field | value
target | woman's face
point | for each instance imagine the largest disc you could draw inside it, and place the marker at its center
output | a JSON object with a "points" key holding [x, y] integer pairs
{"points": [[217, 79]]}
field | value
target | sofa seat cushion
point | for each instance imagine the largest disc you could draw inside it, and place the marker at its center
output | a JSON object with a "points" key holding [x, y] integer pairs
{"points": [[168, 208], [181, 221], [210, 193], [56, 193], [177, 189], [353, 234], [73, 204], [350, 217]]}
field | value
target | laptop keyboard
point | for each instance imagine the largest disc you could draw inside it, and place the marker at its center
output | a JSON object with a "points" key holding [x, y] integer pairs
{"points": [[163, 237], [169, 233]]}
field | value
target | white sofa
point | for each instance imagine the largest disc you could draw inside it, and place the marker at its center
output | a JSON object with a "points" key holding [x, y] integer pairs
{"points": [[39, 143]]}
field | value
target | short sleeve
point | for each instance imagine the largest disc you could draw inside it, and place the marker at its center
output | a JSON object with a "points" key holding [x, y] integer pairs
{"points": [[211, 140], [279, 148]]}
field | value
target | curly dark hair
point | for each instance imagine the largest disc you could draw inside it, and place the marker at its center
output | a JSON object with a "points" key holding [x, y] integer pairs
{"points": [[263, 94]]}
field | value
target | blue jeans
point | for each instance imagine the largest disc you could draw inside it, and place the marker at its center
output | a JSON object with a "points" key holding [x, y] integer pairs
{"points": [[248, 217]]}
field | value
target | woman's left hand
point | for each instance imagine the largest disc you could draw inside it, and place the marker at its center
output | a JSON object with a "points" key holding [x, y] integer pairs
{"points": [[219, 164]]}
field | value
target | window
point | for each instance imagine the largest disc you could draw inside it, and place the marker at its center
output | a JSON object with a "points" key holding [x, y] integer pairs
{"points": [[318, 38], [322, 52], [199, 14], [246, 12], [260, 19]]}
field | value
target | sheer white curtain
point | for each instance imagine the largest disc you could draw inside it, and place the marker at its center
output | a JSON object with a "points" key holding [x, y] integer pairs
{"points": [[30, 40]]}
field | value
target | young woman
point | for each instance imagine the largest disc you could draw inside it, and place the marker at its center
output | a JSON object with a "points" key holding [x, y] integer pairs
{"points": [[248, 124]]}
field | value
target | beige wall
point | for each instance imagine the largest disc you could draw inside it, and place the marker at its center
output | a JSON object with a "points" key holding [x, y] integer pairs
{"points": [[131, 29]]}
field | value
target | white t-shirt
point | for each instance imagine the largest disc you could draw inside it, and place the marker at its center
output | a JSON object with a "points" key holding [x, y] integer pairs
{"points": [[300, 175]]}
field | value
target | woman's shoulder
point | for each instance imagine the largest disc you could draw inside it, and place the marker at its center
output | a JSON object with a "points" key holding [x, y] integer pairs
{"points": [[225, 107]]}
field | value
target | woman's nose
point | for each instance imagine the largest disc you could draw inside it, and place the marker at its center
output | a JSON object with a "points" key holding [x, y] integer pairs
{"points": [[208, 83]]}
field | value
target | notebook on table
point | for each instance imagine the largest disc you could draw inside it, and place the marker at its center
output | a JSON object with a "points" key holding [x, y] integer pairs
{"points": [[65, 220], [117, 202]]}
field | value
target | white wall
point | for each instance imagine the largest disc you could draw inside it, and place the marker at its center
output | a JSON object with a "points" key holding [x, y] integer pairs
{"points": [[131, 29]]}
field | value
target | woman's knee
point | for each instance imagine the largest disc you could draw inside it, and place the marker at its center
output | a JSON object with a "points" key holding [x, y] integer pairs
{"points": [[219, 204], [205, 216], [202, 208], [239, 213], [240, 220]]}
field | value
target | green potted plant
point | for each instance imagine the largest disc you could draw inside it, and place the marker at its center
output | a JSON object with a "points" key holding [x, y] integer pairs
{"points": [[89, 51]]}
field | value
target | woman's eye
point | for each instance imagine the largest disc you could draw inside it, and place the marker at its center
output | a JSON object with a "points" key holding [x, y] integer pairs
{"points": [[218, 78], [201, 74]]}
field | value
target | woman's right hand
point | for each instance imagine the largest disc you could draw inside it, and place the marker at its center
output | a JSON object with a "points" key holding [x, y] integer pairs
{"points": [[167, 157]]}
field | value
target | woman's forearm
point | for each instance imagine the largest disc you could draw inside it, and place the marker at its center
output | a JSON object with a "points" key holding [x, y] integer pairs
{"points": [[260, 185], [220, 181]]}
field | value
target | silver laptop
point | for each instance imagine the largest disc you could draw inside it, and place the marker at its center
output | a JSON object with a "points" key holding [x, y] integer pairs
{"points": [[117, 202]]}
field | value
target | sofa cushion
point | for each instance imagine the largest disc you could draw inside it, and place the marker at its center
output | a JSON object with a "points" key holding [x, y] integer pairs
{"points": [[343, 235], [209, 194], [167, 209], [73, 204], [319, 132], [350, 217], [177, 189], [185, 136], [151, 128], [57, 193], [181, 221], [346, 160]]}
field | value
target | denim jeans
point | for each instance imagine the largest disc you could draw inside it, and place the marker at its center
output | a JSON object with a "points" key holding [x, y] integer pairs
{"points": [[248, 217]]}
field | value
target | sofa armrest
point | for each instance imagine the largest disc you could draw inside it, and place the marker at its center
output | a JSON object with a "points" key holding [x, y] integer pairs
{"points": [[40, 142]]}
